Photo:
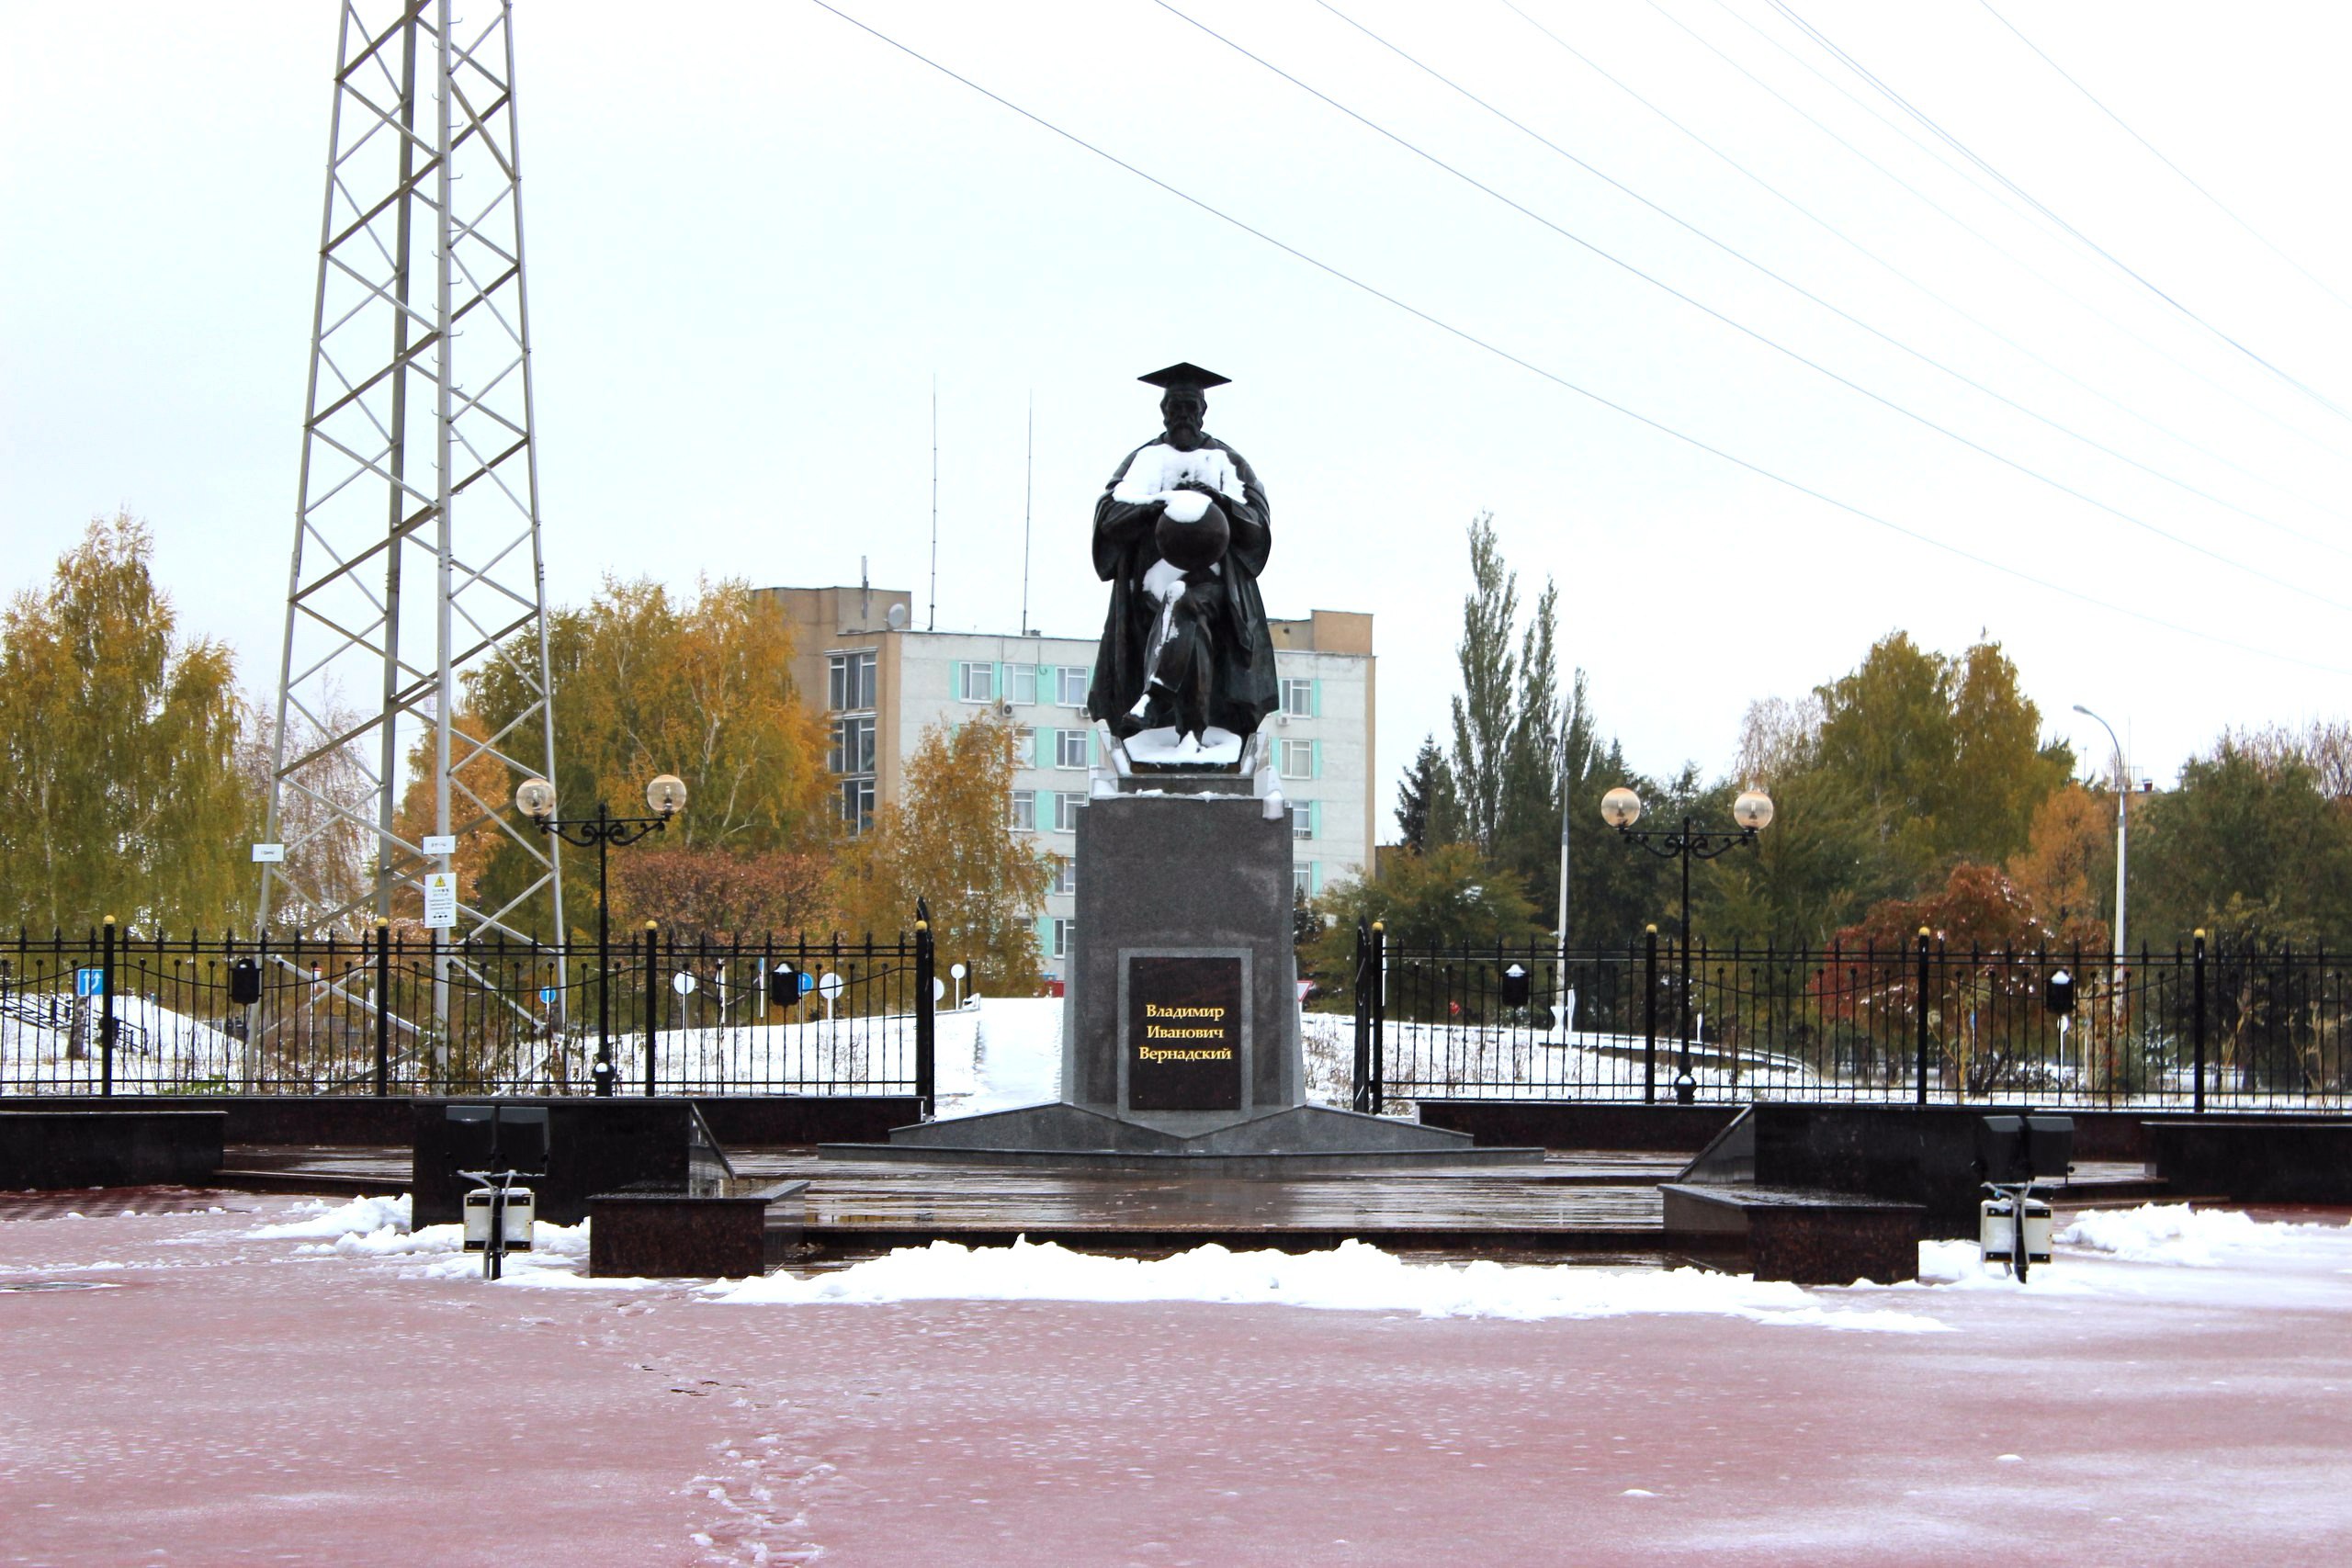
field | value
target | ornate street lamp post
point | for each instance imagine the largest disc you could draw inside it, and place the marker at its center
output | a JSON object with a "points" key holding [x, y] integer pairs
{"points": [[536, 799], [1621, 808]]}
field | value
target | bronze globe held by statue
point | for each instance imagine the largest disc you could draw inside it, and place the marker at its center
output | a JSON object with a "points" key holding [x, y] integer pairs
{"points": [[1195, 546]]}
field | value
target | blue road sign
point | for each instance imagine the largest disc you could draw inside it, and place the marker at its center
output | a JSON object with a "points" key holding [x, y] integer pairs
{"points": [[89, 982], [547, 993]]}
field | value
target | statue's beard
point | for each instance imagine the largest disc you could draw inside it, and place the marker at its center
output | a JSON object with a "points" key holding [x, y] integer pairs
{"points": [[1185, 437]]}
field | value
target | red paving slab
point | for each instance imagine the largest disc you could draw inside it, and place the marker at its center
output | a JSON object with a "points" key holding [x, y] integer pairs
{"points": [[234, 1402]]}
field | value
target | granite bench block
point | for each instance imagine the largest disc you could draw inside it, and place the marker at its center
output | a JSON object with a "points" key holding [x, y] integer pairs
{"points": [[110, 1148], [655, 1231], [1806, 1235]]}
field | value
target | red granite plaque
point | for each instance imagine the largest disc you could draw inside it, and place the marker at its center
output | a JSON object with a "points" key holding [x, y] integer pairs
{"points": [[1183, 1039]]}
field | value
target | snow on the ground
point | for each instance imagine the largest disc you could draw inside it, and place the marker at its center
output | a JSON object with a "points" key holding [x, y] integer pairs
{"points": [[2136, 1255], [1503, 1062], [1008, 1054], [38, 1033], [2199, 1238], [378, 1228], [1351, 1277], [359, 1217], [2168, 1253]]}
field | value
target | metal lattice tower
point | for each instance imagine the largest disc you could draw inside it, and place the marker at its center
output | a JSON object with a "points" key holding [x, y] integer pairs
{"points": [[416, 542]]}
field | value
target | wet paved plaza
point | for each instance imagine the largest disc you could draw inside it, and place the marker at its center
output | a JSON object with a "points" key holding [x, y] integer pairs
{"points": [[178, 1393]]}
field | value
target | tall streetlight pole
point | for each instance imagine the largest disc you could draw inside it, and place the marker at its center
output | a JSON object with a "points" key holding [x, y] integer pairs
{"points": [[667, 795], [1621, 808], [2123, 838], [1567, 782]]}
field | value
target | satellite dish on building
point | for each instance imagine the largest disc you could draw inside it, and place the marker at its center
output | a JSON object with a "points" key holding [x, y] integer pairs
{"points": [[897, 617]]}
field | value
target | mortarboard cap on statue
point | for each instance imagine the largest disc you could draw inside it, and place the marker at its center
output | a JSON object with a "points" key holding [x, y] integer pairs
{"points": [[1185, 374]]}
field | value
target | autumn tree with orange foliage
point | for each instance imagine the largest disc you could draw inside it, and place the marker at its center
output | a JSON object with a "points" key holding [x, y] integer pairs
{"points": [[650, 681], [1984, 1011], [2067, 869], [949, 839]]}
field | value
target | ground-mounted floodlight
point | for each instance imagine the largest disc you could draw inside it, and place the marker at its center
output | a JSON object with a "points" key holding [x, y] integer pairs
{"points": [[2013, 1153]]}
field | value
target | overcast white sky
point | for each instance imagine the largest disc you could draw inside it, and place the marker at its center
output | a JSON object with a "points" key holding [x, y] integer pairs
{"points": [[757, 233]]}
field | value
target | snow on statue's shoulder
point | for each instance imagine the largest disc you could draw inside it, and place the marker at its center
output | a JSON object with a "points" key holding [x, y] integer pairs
{"points": [[1217, 748]]}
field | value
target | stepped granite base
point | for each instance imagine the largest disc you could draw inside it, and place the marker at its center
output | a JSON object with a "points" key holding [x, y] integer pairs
{"points": [[1180, 1038]]}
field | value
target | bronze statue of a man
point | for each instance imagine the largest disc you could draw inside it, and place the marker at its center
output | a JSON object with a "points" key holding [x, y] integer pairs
{"points": [[1181, 534]]}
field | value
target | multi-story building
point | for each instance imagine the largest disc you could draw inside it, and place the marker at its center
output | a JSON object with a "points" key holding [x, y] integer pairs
{"points": [[882, 683]]}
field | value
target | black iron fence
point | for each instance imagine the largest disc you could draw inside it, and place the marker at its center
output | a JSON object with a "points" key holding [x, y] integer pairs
{"points": [[1922, 1022], [396, 1013]]}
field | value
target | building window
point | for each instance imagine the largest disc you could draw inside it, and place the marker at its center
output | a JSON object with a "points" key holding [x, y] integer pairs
{"points": [[1065, 933], [849, 692], [1021, 684], [853, 750], [1299, 758], [1303, 814], [1024, 811], [974, 682], [1068, 803], [1070, 748], [1066, 875], [1298, 698], [1070, 683], [1303, 880], [849, 682], [857, 803]]}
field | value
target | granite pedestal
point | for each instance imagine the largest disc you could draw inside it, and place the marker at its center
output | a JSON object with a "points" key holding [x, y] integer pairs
{"points": [[1180, 1039]]}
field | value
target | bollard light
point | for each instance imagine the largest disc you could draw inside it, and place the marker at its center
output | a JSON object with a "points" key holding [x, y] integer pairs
{"points": [[2058, 993]]}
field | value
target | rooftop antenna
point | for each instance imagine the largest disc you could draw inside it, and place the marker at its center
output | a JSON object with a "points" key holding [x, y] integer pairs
{"points": [[932, 622], [1028, 490]]}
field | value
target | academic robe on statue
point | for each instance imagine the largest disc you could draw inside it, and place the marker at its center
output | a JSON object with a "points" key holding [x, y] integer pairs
{"points": [[1245, 690]]}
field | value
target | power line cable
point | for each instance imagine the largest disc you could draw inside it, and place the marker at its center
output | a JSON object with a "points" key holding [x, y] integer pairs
{"points": [[1891, 270], [1969, 229], [2039, 206], [2154, 153], [1973, 179], [1528, 365], [1743, 328], [1799, 289]]}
